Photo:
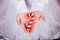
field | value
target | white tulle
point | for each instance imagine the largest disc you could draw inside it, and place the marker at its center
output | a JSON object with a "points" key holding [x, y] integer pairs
{"points": [[44, 30]]}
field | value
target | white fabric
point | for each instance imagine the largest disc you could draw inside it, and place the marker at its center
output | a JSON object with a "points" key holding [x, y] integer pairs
{"points": [[45, 30]]}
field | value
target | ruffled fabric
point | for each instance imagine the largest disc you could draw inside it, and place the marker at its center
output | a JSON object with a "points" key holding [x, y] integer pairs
{"points": [[45, 30]]}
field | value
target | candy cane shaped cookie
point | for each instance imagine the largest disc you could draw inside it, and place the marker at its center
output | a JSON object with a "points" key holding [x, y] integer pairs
{"points": [[29, 20]]}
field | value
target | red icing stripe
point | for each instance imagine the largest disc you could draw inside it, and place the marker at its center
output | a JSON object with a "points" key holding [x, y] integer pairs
{"points": [[30, 15]]}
